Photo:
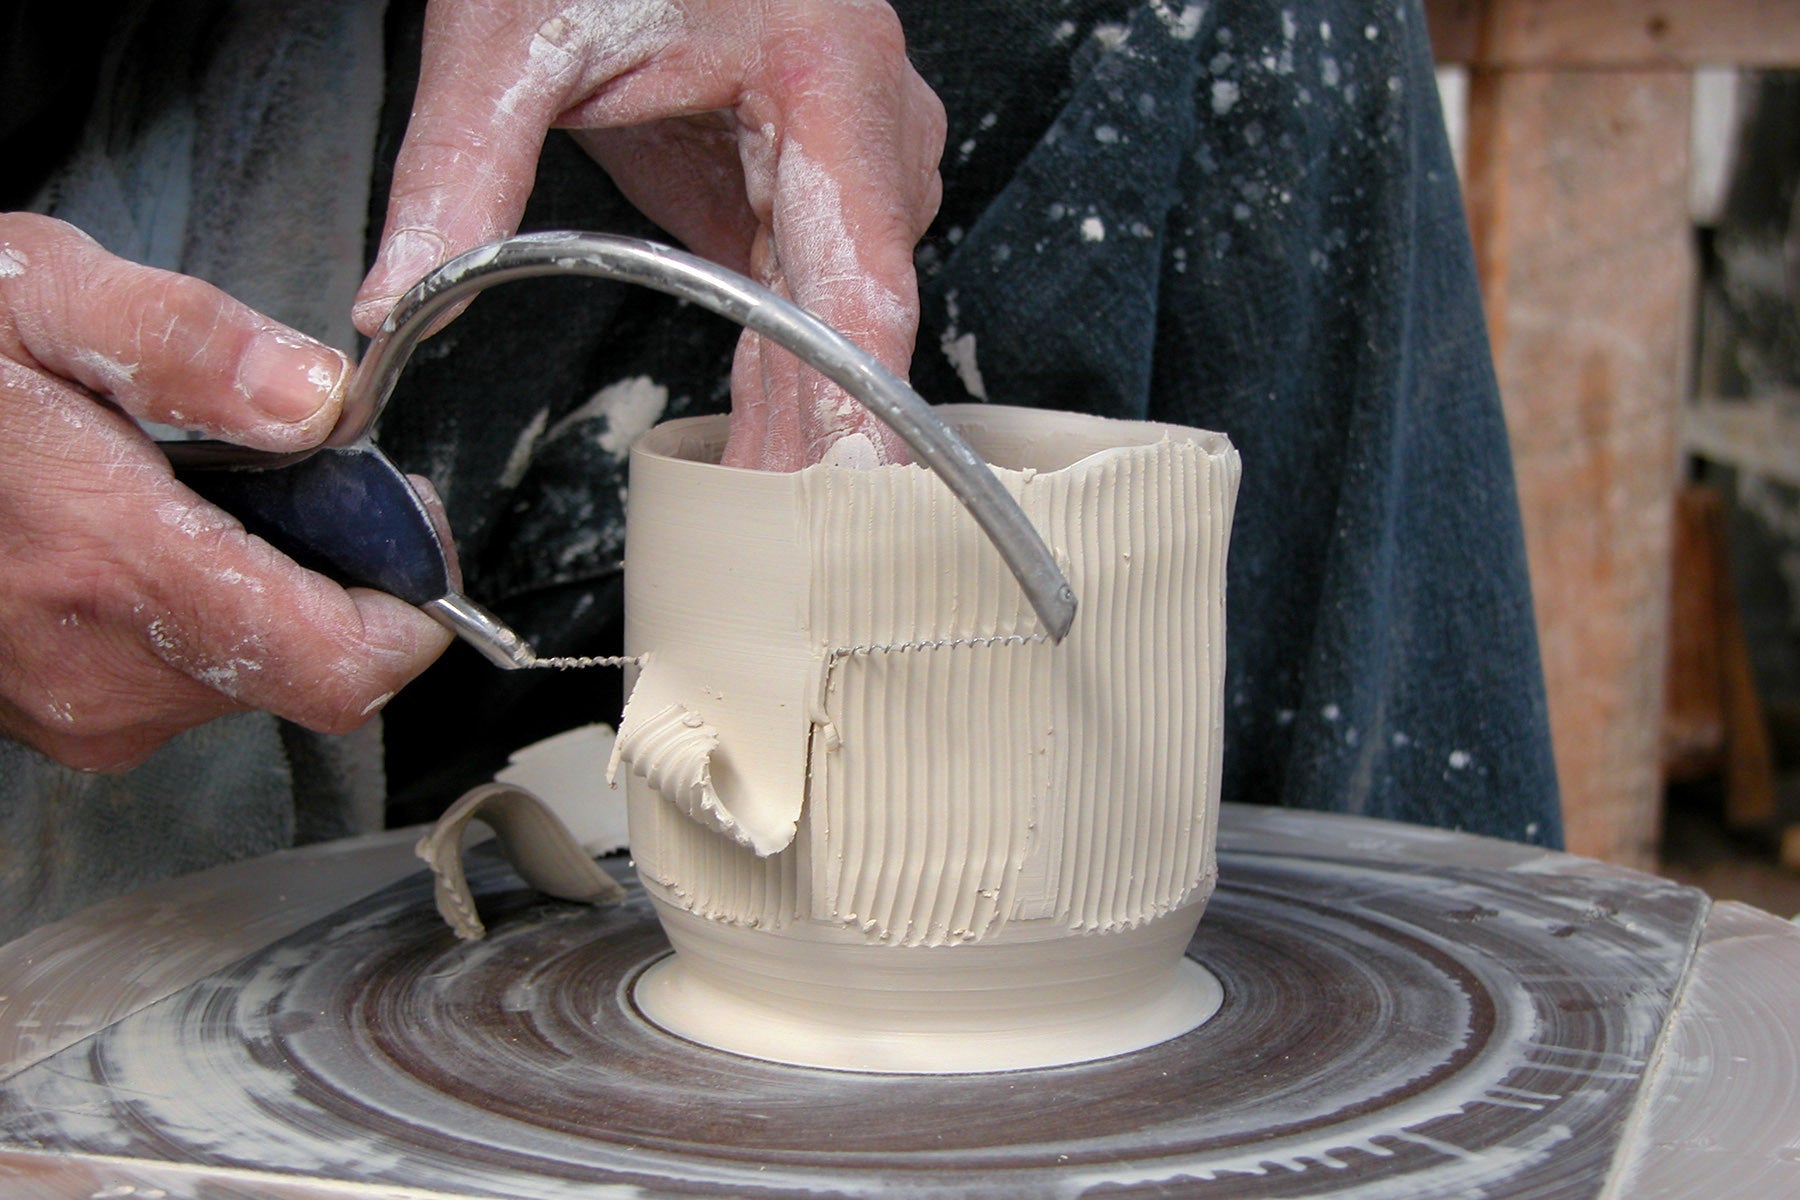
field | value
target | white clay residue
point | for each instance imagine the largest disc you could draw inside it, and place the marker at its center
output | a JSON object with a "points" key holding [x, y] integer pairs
{"points": [[12, 262], [591, 41], [823, 246], [108, 375], [852, 452]]}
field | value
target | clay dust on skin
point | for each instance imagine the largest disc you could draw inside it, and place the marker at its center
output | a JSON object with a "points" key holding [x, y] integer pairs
{"points": [[585, 46], [820, 261], [821, 247], [570, 56], [105, 374]]}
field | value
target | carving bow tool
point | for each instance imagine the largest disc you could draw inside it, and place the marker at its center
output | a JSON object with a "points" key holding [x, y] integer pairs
{"points": [[344, 508]]}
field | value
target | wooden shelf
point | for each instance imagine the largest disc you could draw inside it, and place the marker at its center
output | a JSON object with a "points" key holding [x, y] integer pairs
{"points": [[1631, 35]]}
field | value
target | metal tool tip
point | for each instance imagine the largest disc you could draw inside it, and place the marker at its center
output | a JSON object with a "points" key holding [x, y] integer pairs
{"points": [[482, 630], [1059, 615]]}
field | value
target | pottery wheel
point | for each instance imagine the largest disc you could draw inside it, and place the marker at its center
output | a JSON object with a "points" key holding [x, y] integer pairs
{"points": [[1387, 1029]]}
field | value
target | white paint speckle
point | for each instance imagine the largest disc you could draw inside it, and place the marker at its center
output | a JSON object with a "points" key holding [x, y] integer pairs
{"points": [[959, 350], [1064, 31], [1106, 135], [1460, 760], [1182, 24], [1329, 74], [519, 461], [1331, 712], [1531, 830], [1111, 36], [1093, 229], [1225, 94], [630, 407]]}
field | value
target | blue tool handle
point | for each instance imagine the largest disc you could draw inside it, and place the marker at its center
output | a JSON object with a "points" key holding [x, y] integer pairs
{"points": [[346, 512]]}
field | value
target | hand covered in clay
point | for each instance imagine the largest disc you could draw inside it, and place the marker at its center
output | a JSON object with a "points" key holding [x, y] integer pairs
{"points": [[129, 608], [787, 139]]}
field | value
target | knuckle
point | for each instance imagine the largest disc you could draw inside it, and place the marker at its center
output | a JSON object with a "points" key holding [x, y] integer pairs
{"points": [[35, 229], [175, 322]]}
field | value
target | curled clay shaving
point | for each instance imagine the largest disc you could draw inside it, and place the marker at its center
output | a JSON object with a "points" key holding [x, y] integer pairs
{"points": [[671, 747], [537, 843]]}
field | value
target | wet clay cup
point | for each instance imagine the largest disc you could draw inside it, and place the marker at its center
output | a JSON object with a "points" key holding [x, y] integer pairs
{"points": [[887, 825]]}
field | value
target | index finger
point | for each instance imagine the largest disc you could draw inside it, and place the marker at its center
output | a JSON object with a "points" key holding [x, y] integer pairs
{"points": [[492, 81], [845, 177]]}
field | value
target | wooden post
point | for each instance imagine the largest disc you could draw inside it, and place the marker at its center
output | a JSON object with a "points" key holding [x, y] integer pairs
{"points": [[1578, 204]]}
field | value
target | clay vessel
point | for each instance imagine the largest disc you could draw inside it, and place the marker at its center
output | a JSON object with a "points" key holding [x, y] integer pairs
{"points": [[887, 825]]}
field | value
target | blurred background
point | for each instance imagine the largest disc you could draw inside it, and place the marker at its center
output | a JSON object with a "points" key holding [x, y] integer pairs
{"points": [[1630, 168]]}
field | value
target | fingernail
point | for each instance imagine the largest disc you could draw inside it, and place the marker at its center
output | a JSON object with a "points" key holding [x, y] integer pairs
{"points": [[408, 257], [290, 377]]}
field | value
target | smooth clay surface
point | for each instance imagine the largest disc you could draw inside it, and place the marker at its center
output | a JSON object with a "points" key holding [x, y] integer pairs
{"points": [[879, 813]]}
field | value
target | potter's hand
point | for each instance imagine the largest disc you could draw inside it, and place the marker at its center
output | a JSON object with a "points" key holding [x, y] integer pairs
{"points": [[129, 608], [789, 139]]}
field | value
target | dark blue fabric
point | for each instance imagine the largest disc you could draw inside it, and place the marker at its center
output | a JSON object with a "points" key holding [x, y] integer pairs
{"points": [[1240, 216], [1250, 222]]}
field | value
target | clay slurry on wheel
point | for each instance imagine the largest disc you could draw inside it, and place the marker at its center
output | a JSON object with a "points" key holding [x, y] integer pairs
{"points": [[1432, 1030]]}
